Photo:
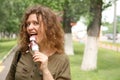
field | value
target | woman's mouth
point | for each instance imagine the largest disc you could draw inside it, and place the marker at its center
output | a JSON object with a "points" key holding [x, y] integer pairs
{"points": [[33, 34]]}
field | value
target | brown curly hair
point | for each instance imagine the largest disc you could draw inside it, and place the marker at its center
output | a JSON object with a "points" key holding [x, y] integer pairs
{"points": [[53, 34]]}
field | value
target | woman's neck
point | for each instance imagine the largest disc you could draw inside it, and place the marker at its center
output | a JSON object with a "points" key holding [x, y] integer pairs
{"points": [[49, 52]]}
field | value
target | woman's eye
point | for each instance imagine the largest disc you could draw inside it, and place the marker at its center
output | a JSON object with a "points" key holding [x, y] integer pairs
{"points": [[35, 23], [27, 24]]}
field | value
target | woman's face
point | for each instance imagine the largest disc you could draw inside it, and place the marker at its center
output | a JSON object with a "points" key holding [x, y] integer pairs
{"points": [[33, 26]]}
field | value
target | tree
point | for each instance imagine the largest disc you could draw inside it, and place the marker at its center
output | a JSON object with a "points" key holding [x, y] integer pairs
{"points": [[11, 11], [93, 30], [94, 24]]}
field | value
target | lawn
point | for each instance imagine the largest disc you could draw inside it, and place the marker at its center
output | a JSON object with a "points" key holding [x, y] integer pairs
{"points": [[108, 65], [5, 47]]}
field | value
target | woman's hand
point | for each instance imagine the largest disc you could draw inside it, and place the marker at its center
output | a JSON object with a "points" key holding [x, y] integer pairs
{"points": [[42, 59]]}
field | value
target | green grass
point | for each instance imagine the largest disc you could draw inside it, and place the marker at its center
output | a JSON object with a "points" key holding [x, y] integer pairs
{"points": [[5, 47], [108, 66]]}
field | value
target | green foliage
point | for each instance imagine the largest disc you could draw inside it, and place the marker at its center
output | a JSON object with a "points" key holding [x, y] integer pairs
{"points": [[11, 11], [106, 4], [53, 4], [110, 26]]}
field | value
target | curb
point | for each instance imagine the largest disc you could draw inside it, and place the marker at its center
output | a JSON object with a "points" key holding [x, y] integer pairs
{"points": [[111, 47], [4, 58]]}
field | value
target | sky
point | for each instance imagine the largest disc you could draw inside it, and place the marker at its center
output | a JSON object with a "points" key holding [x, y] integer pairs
{"points": [[108, 14]]}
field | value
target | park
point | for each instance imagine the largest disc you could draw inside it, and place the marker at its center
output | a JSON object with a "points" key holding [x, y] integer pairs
{"points": [[94, 56]]}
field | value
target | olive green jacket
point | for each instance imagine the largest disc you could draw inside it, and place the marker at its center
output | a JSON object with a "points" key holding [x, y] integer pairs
{"points": [[25, 69]]}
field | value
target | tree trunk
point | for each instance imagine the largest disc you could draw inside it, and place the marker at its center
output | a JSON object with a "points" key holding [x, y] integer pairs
{"points": [[67, 28], [68, 44], [90, 54], [66, 18], [91, 48]]}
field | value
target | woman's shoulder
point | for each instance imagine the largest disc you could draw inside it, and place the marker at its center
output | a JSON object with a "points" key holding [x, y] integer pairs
{"points": [[59, 57]]}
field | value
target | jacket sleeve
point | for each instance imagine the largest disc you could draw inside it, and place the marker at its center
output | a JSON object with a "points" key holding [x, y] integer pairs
{"points": [[11, 73]]}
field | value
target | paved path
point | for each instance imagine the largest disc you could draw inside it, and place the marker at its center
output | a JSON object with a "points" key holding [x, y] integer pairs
{"points": [[5, 65], [110, 47]]}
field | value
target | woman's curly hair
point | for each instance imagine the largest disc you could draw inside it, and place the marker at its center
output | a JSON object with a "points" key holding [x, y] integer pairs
{"points": [[53, 34]]}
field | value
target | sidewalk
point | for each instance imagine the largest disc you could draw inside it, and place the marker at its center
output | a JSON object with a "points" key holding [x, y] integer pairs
{"points": [[110, 47], [5, 65]]}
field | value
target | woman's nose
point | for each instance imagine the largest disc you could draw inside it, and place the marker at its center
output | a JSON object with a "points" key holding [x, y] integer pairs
{"points": [[31, 26]]}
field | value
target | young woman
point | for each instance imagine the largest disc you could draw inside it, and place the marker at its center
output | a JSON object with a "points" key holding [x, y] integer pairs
{"points": [[47, 63]]}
